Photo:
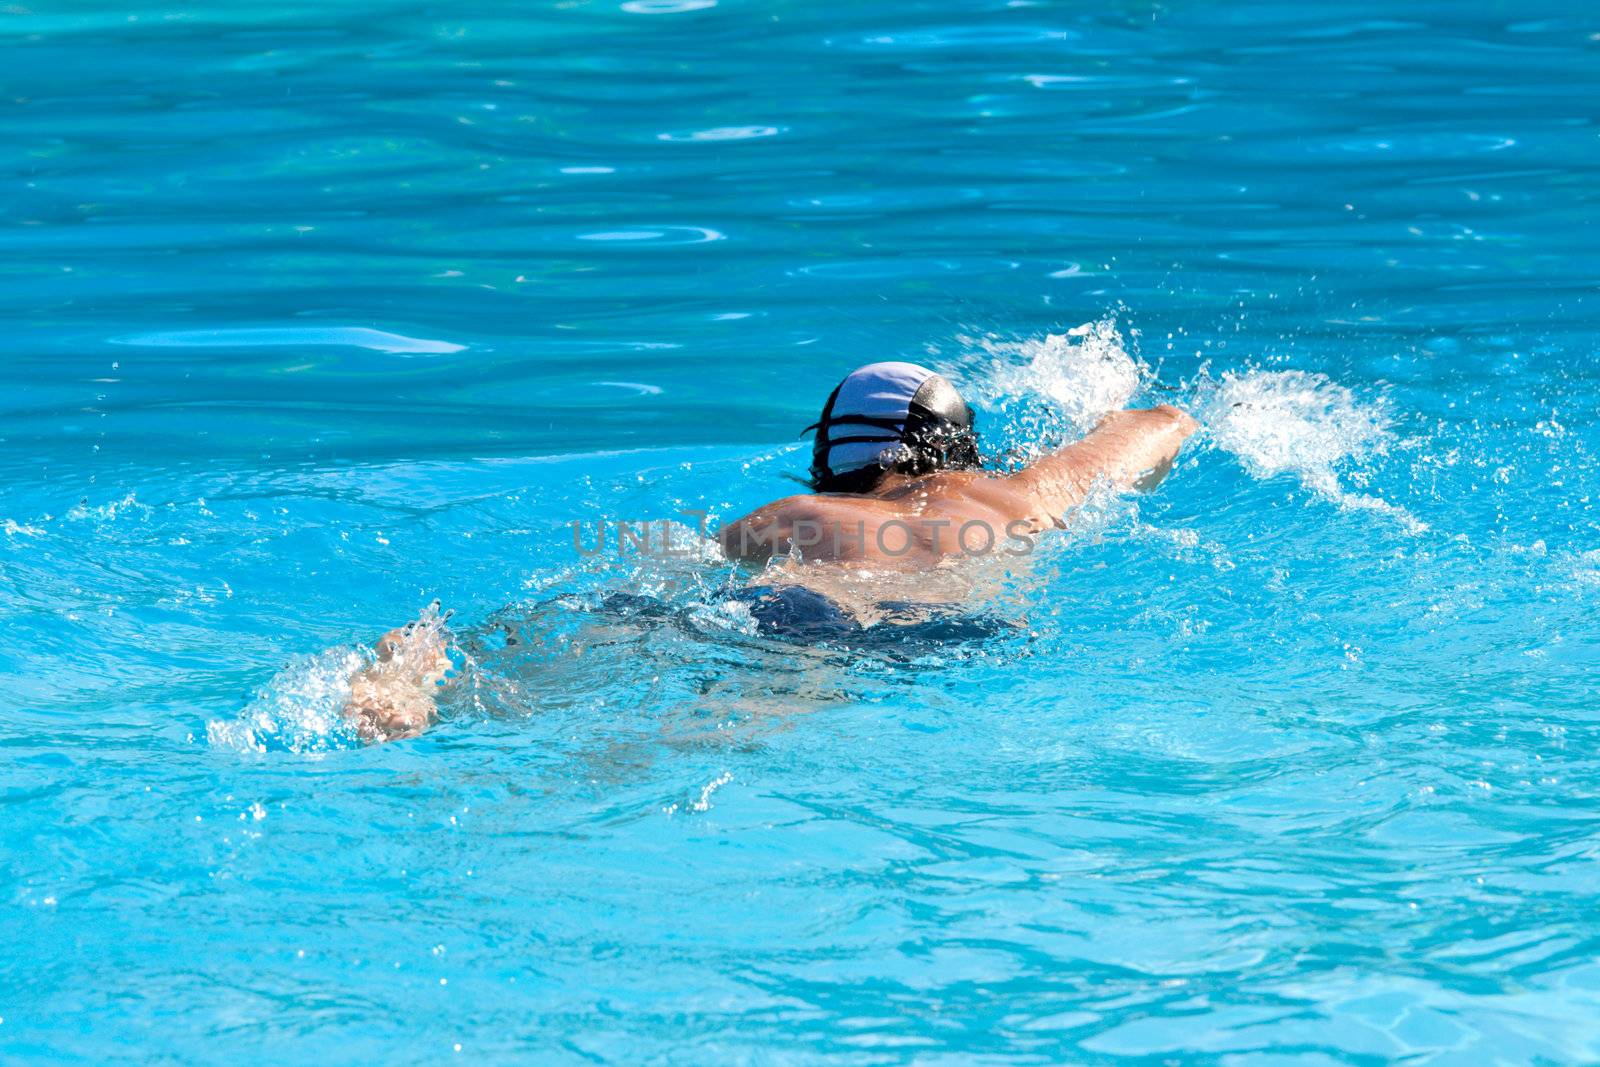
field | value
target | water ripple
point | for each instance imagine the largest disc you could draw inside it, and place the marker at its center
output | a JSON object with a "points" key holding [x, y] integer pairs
{"points": [[296, 336], [661, 235], [666, 7], [722, 133]]}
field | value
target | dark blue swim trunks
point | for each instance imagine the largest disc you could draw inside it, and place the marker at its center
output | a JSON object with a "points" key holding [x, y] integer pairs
{"points": [[798, 613]]}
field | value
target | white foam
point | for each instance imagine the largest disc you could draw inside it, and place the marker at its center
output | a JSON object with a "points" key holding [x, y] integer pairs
{"points": [[301, 709], [108, 512], [703, 803], [1580, 568], [1278, 422], [1274, 422], [1301, 424], [1085, 372]]}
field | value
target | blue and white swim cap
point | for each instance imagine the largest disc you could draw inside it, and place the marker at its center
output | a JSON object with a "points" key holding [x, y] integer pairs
{"points": [[890, 416]]}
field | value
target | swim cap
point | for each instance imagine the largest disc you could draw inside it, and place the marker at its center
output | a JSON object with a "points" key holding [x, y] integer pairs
{"points": [[890, 416]]}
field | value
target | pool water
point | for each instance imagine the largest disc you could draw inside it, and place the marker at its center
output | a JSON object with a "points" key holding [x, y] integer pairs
{"points": [[320, 311]]}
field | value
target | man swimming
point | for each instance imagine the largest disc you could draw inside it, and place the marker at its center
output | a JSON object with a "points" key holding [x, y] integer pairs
{"points": [[899, 491], [897, 481]]}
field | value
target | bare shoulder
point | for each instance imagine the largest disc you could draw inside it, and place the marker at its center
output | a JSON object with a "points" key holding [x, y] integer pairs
{"points": [[972, 494], [772, 527], [784, 509], [811, 506], [775, 507]]}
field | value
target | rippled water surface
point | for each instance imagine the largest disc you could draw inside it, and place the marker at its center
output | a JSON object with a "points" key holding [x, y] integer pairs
{"points": [[316, 312]]}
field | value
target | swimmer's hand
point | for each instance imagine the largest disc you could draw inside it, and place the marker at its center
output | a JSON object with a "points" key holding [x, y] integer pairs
{"points": [[1147, 482], [393, 698], [1157, 418], [1183, 424]]}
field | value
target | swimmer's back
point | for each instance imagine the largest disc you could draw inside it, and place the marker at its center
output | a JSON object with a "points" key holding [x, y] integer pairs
{"points": [[913, 522], [906, 522]]}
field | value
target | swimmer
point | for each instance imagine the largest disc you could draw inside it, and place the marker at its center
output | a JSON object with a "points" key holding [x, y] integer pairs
{"points": [[897, 482], [898, 487]]}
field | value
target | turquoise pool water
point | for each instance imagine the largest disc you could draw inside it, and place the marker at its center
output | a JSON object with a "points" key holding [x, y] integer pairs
{"points": [[319, 311]]}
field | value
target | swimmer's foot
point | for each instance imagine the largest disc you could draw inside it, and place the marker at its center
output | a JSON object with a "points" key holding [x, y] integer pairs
{"points": [[393, 698]]}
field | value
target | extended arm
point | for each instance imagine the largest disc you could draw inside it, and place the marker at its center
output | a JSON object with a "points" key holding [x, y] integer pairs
{"points": [[1128, 448]]}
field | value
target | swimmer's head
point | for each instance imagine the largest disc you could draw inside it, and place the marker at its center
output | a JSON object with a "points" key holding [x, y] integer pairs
{"points": [[890, 417]]}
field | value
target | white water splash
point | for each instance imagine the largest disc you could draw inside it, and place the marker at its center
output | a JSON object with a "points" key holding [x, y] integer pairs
{"points": [[1303, 424], [1278, 422], [303, 708], [300, 710], [703, 804], [1578, 568], [1084, 373], [108, 512]]}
